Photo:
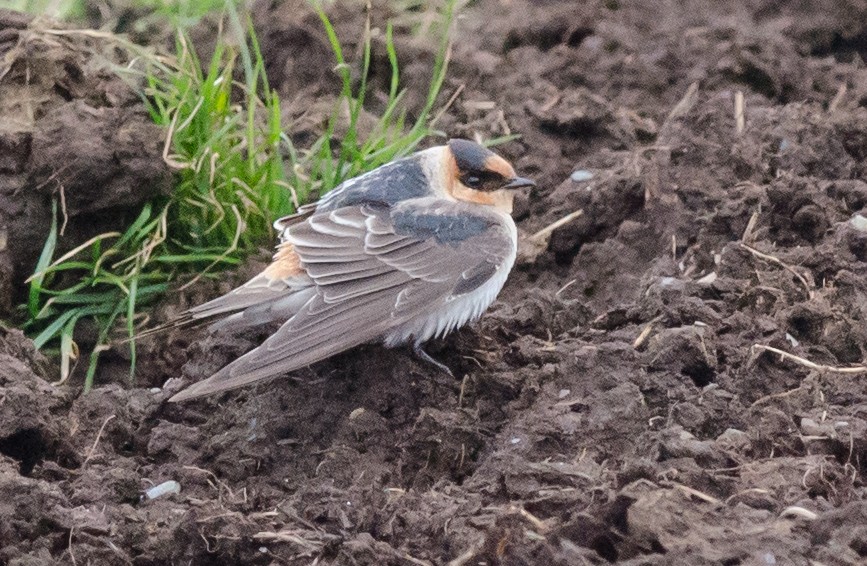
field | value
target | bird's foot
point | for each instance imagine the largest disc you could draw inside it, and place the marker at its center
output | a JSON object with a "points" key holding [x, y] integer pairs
{"points": [[425, 357]]}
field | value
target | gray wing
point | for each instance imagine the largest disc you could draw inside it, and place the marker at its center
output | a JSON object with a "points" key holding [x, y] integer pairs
{"points": [[271, 295], [374, 268]]}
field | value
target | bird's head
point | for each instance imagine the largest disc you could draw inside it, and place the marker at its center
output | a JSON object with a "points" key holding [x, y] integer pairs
{"points": [[476, 174]]}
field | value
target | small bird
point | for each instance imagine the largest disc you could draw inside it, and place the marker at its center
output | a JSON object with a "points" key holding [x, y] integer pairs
{"points": [[407, 252]]}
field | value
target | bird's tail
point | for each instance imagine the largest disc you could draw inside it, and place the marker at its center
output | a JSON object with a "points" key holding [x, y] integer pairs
{"points": [[260, 301]]}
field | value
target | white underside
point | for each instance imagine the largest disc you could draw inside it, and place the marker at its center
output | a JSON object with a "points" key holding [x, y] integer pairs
{"points": [[452, 314]]}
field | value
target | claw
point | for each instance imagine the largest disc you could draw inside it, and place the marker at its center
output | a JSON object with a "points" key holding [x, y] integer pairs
{"points": [[425, 357]]}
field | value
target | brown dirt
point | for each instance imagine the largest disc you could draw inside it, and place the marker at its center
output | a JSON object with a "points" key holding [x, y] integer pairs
{"points": [[569, 440], [71, 130]]}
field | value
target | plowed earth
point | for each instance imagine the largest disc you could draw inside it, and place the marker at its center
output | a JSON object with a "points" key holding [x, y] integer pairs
{"points": [[616, 405]]}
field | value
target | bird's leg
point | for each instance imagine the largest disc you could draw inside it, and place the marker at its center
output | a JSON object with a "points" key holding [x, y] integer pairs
{"points": [[425, 357]]}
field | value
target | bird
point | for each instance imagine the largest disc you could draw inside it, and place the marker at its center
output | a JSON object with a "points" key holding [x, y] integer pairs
{"points": [[407, 252]]}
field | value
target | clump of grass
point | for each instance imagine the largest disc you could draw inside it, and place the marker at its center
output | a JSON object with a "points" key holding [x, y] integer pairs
{"points": [[181, 13], [226, 140], [60, 9], [230, 187], [324, 165], [232, 183]]}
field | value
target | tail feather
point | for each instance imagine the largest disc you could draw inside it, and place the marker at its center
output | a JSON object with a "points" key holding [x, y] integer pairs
{"points": [[261, 300], [279, 309]]}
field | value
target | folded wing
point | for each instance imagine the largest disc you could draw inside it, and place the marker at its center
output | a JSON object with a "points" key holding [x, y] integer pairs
{"points": [[373, 268]]}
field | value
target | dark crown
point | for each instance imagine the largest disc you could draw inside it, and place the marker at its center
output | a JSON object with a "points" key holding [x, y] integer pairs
{"points": [[469, 156]]}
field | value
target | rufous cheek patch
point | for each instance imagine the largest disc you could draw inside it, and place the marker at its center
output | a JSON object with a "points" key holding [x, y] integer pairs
{"points": [[466, 194], [499, 165]]}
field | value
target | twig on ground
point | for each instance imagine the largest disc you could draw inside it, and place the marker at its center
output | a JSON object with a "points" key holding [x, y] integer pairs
{"points": [[69, 547], [467, 555], [531, 247], [684, 105], [740, 494], [642, 337], [63, 210], [92, 450], [293, 536], [538, 524], [542, 235], [812, 365], [777, 396], [463, 390], [747, 236], [448, 104], [838, 98], [218, 484], [740, 119], [693, 492], [795, 511], [781, 263], [415, 560]]}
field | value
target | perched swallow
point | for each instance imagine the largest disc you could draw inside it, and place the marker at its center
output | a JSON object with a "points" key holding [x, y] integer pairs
{"points": [[407, 252]]}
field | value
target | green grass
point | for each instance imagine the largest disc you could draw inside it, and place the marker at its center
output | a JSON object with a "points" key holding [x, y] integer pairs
{"points": [[59, 9], [181, 13], [237, 171]]}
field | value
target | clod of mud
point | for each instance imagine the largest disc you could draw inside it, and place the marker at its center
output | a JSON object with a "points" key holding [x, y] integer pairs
{"points": [[72, 131]]}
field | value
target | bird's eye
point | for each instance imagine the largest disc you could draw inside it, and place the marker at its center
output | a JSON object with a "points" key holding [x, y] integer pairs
{"points": [[472, 182]]}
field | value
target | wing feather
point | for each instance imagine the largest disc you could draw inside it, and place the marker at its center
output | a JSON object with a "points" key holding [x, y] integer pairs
{"points": [[370, 275]]}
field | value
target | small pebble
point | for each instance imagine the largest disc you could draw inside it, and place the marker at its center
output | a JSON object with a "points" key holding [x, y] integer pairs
{"points": [[515, 440], [859, 223], [707, 279], [581, 175], [164, 488]]}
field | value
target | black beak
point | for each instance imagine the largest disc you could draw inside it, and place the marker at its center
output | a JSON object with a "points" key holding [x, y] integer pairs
{"points": [[519, 183]]}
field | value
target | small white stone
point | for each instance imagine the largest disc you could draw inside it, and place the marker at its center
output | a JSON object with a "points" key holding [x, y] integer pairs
{"points": [[581, 175], [164, 488], [515, 440], [859, 223]]}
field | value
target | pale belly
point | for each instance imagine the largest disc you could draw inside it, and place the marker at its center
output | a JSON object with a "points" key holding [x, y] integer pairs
{"points": [[455, 313]]}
